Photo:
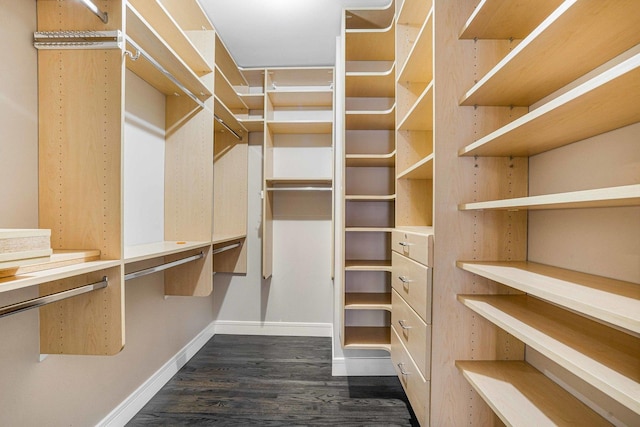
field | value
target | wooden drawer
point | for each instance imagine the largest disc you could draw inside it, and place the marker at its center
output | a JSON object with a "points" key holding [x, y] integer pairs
{"points": [[413, 282], [418, 247], [414, 384], [413, 332]]}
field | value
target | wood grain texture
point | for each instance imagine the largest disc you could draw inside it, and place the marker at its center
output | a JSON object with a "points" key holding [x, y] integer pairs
{"points": [[273, 381]]}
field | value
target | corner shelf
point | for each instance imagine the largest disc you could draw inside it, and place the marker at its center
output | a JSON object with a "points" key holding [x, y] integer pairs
{"points": [[609, 300], [371, 83], [605, 358], [521, 395], [158, 249], [370, 160], [367, 301], [361, 43], [367, 337], [370, 119], [367, 265], [626, 195]]}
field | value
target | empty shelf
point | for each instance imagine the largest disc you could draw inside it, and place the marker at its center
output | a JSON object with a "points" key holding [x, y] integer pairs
{"points": [[222, 113], [367, 301], [367, 337], [367, 265], [376, 84], [154, 250], [421, 170], [227, 94], [418, 66], [370, 45], [301, 98], [609, 300], [420, 116], [370, 160], [296, 127], [371, 119]]}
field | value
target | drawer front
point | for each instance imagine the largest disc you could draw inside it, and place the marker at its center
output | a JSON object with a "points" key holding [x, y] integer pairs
{"points": [[418, 247], [413, 282], [415, 386], [413, 332]]}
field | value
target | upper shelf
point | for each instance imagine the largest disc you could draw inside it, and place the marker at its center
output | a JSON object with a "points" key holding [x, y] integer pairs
{"points": [[609, 300], [603, 357], [504, 19], [159, 18], [154, 250], [144, 35], [418, 66], [227, 94], [299, 79], [226, 63], [298, 127], [608, 101], [305, 98], [370, 45], [371, 83], [420, 116], [626, 195], [413, 12], [188, 14], [369, 18], [578, 37]]}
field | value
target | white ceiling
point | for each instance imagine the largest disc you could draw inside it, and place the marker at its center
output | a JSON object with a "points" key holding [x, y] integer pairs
{"points": [[279, 33]]}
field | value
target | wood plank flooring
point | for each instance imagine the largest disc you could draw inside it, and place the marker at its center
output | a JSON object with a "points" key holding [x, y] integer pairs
{"points": [[273, 381]]}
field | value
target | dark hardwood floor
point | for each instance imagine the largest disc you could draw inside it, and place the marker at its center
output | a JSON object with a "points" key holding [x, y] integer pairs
{"points": [[273, 381]]}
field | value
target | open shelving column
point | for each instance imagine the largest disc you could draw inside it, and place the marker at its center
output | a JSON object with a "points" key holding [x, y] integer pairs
{"points": [[369, 177]]}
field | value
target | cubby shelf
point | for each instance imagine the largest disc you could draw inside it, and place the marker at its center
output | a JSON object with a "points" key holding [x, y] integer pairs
{"points": [[591, 34], [504, 19], [159, 18], [254, 101], [158, 249], [601, 298], [370, 198], [225, 92], [370, 83], [608, 101], [368, 229], [301, 98], [418, 66], [367, 265], [367, 337], [300, 126], [626, 195], [367, 301], [370, 160], [603, 357], [371, 120], [252, 124], [420, 115], [420, 170], [521, 395], [140, 32], [370, 45], [309, 181], [413, 12]]}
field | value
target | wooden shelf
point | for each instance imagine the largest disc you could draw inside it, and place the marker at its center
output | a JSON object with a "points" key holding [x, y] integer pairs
{"points": [[421, 170], [255, 101], [521, 395], [160, 20], [367, 337], [298, 98], [575, 39], [34, 278], [420, 116], [608, 101], [223, 113], [371, 120], [612, 301], [605, 358], [418, 66], [413, 12], [370, 160], [370, 45], [324, 182], [59, 258], [367, 265], [298, 127], [226, 238], [367, 301], [188, 14], [370, 198], [627, 195], [252, 125], [225, 92], [369, 18], [227, 65], [368, 229], [149, 40], [371, 83], [504, 19], [299, 79], [158, 249]]}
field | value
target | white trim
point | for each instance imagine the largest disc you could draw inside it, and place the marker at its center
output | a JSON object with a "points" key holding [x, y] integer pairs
{"points": [[129, 407], [231, 327], [362, 366]]}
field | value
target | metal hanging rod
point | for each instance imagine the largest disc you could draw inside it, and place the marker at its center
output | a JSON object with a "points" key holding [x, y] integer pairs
{"points": [[104, 17], [160, 68], [48, 299], [226, 248], [162, 267], [78, 39], [222, 122]]}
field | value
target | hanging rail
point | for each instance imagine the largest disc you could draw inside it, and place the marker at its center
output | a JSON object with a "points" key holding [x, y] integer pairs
{"points": [[104, 17], [162, 267], [160, 68], [48, 299], [222, 122], [226, 248]]}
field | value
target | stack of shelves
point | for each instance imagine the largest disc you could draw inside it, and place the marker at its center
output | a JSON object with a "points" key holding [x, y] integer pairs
{"points": [[369, 176], [298, 140], [253, 96], [573, 75]]}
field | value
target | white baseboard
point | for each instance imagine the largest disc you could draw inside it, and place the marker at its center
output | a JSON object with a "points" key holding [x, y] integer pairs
{"points": [[228, 327], [124, 412], [362, 367]]}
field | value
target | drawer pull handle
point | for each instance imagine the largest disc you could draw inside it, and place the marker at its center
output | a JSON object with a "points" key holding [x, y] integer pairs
{"points": [[404, 279], [403, 324], [402, 371], [405, 244]]}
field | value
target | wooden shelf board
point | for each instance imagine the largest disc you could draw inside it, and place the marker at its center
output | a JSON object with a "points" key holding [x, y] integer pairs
{"points": [[34, 278], [227, 64], [521, 395], [627, 195], [603, 357], [370, 45], [371, 120], [613, 301], [293, 79], [418, 67], [272, 182], [221, 110], [296, 127], [158, 249], [367, 265], [227, 94], [367, 301], [149, 40], [305, 98], [608, 101], [189, 14], [225, 238], [413, 12], [421, 170], [504, 19], [376, 84], [369, 17], [370, 197], [367, 337], [253, 125], [420, 116], [255, 101], [576, 38], [354, 68], [370, 160], [160, 19], [368, 229]]}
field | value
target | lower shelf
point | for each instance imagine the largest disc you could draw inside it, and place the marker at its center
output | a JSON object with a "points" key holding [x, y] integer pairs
{"points": [[521, 395], [367, 337], [367, 301]]}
